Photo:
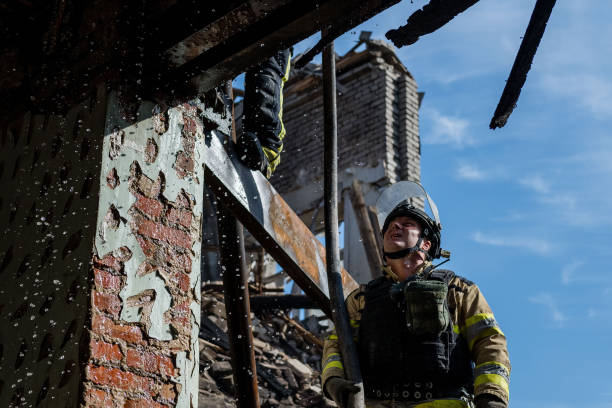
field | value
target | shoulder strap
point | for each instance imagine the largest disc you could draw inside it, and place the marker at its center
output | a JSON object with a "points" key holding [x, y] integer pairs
{"points": [[444, 275]]}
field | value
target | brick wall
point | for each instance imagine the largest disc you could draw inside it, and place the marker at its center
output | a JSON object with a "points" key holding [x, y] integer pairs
{"points": [[377, 109], [145, 300], [102, 226]]}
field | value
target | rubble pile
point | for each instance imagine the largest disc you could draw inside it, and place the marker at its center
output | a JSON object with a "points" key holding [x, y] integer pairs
{"points": [[287, 356]]}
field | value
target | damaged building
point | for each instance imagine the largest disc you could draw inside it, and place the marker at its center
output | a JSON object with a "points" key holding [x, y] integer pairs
{"points": [[115, 119]]}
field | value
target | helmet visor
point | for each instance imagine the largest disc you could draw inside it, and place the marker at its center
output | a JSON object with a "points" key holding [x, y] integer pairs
{"points": [[410, 191]]}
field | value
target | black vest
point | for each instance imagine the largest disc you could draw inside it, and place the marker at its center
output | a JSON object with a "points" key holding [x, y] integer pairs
{"points": [[396, 364]]}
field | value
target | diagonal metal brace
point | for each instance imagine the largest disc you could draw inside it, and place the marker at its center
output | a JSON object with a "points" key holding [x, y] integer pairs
{"points": [[259, 207]]}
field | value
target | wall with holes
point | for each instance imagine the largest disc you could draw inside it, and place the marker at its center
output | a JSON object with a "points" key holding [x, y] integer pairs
{"points": [[101, 255], [49, 166]]}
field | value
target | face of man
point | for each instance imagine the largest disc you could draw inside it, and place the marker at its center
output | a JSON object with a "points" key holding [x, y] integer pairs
{"points": [[404, 232]]}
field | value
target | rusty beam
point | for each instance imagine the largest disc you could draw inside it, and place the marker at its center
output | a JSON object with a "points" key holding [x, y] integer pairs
{"points": [[522, 62], [236, 294], [261, 209]]}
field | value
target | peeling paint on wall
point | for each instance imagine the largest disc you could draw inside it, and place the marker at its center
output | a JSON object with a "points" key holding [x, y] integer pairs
{"points": [[151, 191]]}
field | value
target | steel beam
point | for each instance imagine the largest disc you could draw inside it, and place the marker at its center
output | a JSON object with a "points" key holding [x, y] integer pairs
{"points": [[261, 209], [236, 294], [330, 187]]}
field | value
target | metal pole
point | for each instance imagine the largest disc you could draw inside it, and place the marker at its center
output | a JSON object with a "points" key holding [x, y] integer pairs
{"points": [[237, 308], [330, 158]]}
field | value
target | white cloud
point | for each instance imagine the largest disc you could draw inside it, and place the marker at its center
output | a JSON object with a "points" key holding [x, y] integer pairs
{"points": [[550, 303], [510, 216], [536, 183], [531, 244], [466, 171], [591, 91], [448, 130], [568, 271]]}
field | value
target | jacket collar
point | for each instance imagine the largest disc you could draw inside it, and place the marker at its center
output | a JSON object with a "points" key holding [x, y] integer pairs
{"points": [[389, 274]]}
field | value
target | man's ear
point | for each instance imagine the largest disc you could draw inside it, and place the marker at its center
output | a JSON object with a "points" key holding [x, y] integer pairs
{"points": [[426, 245]]}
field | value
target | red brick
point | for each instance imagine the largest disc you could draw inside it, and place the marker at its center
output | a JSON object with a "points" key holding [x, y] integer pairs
{"points": [[116, 378], [149, 206], [104, 325], [98, 398], [181, 313], [167, 392], [181, 217], [150, 362], [143, 403], [106, 280], [183, 200], [181, 280], [183, 164], [107, 303], [148, 247], [103, 351], [109, 261], [178, 260], [163, 233]]}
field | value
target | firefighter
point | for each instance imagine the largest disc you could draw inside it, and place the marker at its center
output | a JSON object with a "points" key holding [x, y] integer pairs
{"points": [[261, 142], [425, 336]]}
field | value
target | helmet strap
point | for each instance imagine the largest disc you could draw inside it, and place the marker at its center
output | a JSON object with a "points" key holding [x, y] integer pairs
{"points": [[407, 251]]}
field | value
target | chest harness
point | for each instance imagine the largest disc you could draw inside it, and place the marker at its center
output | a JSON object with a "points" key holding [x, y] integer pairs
{"points": [[407, 347]]}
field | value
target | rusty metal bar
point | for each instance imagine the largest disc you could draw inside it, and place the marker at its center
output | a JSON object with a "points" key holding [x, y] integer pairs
{"points": [[258, 206], [522, 62], [330, 187], [236, 294], [368, 236]]}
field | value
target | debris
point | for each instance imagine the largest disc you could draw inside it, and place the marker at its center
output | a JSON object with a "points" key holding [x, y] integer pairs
{"points": [[287, 356]]}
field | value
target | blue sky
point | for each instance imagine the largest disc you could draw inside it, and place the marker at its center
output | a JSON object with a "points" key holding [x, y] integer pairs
{"points": [[525, 208]]}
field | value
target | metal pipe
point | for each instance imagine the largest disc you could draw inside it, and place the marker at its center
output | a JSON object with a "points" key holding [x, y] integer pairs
{"points": [[236, 294], [330, 158]]}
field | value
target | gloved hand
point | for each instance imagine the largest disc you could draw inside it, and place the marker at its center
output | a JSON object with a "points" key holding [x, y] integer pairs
{"points": [[251, 153], [489, 401], [340, 389]]}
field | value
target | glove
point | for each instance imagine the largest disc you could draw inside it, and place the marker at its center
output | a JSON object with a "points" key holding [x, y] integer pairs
{"points": [[340, 389], [489, 401], [251, 153]]}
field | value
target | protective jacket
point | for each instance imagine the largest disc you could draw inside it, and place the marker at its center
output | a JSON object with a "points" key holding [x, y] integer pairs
{"points": [[398, 366], [263, 105]]}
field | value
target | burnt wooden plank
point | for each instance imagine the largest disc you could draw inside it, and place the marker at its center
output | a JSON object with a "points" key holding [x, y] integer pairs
{"points": [[261, 209], [522, 62], [431, 17]]}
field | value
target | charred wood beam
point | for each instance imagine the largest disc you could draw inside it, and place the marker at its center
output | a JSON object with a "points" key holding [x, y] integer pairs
{"points": [[522, 62], [427, 20], [252, 199], [164, 29], [267, 302], [171, 50], [357, 15]]}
